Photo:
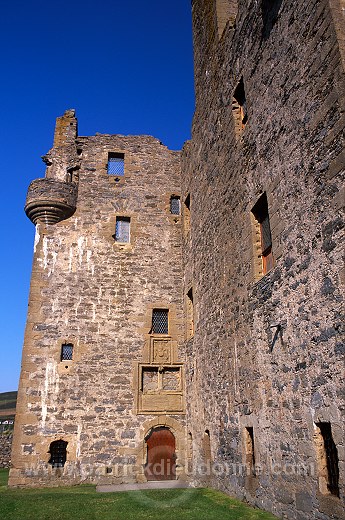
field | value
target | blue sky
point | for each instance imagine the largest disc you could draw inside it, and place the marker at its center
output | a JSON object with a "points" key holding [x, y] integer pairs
{"points": [[126, 67]]}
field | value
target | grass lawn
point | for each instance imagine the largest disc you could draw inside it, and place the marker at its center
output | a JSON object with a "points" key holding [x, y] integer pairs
{"points": [[83, 503]]}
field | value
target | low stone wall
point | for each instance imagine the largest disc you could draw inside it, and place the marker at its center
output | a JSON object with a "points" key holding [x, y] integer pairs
{"points": [[5, 449]]}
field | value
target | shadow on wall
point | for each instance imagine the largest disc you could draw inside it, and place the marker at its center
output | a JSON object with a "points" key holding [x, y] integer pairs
{"points": [[269, 12]]}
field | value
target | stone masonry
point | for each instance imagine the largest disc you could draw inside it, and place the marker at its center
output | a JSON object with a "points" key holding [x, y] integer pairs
{"points": [[5, 449], [246, 383], [97, 294], [266, 365]]}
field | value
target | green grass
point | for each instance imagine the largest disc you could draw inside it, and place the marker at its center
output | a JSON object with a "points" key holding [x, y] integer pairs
{"points": [[84, 503]]}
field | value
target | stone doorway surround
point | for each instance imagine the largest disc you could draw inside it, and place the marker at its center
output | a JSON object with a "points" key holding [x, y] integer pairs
{"points": [[178, 432], [161, 456]]}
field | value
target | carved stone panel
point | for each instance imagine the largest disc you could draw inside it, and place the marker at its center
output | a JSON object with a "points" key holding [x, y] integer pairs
{"points": [[160, 389], [161, 351]]}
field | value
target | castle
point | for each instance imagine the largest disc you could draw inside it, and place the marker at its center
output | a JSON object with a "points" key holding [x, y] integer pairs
{"points": [[184, 316]]}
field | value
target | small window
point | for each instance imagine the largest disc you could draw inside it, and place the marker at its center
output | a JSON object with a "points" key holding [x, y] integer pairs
{"points": [[175, 205], [260, 212], [207, 447], [239, 108], [250, 451], [186, 215], [160, 321], [116, 164], [190, 444], [122, 230], [67, 352], [58, 453], [328, 460], [190, 313]]}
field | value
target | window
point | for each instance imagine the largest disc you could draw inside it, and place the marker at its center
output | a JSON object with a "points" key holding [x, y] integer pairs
{"points": [[122, 229], [190, 314], [67, 352], [187, 202], [58, 453], [175, 205], [250, 452], [260, 212], [186, 215], [160, 321], [239, 108], [207, 447], [116, 164], [161, 379], [328, 461], [190, 444]]}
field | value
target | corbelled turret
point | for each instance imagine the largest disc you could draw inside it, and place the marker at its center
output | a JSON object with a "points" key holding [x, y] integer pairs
{"points": [[54, 198]]}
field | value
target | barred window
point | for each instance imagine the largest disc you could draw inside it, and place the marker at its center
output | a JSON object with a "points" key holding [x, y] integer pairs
{"points": [[160, 321], [67, 352], [116, 164], [122, 230], [175, 205], [58, 453]]}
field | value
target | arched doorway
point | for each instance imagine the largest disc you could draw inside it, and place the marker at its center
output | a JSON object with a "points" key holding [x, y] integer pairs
{"points": [[161, 456]]}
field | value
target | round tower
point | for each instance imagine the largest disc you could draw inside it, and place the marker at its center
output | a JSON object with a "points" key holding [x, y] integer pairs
{"points": [[54, 198]]}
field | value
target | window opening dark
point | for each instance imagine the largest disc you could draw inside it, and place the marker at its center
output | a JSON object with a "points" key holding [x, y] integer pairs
{"points": [[67, 352], [190, 314], [260, 212], [332, 460], [240, 103], [116, 164], [58, 453], [122, 229], [250, 451], [160, 321], [175, 205], [186, 215]]}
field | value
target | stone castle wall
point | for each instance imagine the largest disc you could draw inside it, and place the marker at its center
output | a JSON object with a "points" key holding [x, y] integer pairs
{"points": [[98, 294], [267, 360], [259, 347], [5, 449]]}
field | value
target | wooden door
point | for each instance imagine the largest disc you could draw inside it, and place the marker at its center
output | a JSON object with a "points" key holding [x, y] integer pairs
{"points": [[161, 457]]}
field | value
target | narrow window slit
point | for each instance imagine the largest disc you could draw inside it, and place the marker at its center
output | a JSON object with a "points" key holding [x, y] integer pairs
{"points": [[239, 108], [262, 222], [250, 451], [328, 460]]}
